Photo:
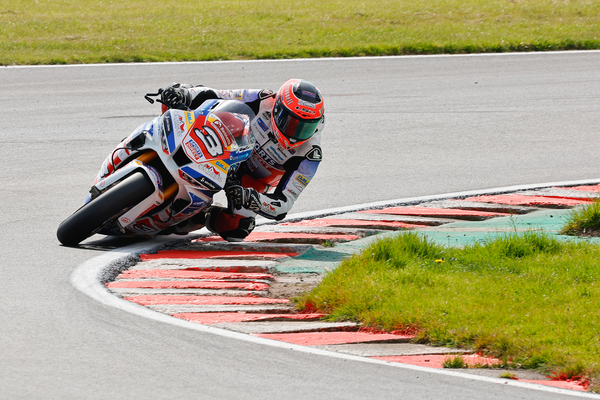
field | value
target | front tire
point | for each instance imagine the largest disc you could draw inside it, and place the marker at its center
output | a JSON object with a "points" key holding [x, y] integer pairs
{"points": [[86, 221]]}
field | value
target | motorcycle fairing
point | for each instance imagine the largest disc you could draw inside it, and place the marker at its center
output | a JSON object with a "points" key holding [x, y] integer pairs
{"points": [[198, 203], [197, 179], [176, 123], [174, 126], [154, 223]]}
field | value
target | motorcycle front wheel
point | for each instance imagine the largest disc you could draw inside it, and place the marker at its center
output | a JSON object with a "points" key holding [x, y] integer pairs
{"points": [[90, 218]]}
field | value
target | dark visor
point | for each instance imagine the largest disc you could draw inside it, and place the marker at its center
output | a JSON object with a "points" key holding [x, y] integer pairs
{"points": [[292, 127]]}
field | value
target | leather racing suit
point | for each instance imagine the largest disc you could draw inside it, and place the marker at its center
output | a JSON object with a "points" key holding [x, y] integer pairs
{"points": [[278, 175]]}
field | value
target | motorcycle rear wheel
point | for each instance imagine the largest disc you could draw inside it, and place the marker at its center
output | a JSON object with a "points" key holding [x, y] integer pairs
{"points": [[90, 218]]}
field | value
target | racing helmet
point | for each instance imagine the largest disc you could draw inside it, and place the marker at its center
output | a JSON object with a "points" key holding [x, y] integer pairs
{"points": [[297, 112]]}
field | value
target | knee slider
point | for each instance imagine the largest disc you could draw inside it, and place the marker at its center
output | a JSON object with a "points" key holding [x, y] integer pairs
{"points": [[231, 228], [244, 227]]}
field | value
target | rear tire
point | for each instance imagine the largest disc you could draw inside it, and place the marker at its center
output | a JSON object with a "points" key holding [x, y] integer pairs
{"points": [[94, 215]]}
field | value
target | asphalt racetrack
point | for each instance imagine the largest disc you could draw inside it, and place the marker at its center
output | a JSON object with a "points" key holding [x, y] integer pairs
{"points": [[396, 127]]}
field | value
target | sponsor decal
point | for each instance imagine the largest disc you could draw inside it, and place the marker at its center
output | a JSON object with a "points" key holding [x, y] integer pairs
{"points": [[207, 183], [259, 134], [194, 150], [222, 132], [274, 151], [194, 177], [187, 178], [168, 141], [221, 165], [298, 187], [238, 94], [262, 124], [293, 193], [306, 104], [263, 154], [316, 154], [189, 117], [263, 164], [211, 170], [302, 179], [265, 93], [281, 148], [236, 156], [311, 94], [179, 129], [167, 125]]}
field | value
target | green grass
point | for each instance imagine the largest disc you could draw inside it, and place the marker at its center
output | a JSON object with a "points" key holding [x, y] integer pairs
{"points": [[526, 298], [584, 221], [508, 375], [84, 31], [454, 362]]}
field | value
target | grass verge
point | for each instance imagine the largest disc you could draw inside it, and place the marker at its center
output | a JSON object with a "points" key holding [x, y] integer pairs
{"points": [[525, 298], [85, 31], [584, 221]]}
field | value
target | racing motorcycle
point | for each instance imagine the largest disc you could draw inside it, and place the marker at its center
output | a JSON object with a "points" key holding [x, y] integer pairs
{"points": [[166, 171]]}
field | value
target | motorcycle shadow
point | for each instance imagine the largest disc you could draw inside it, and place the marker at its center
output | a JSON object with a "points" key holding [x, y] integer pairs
{"points": [[109, 243]]}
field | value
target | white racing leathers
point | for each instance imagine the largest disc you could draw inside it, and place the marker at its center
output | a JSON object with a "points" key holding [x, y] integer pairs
{"points": [[279, 175]]}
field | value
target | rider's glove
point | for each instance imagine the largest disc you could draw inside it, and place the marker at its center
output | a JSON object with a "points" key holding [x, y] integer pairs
{"points": [[243, 197], [176, 96]]}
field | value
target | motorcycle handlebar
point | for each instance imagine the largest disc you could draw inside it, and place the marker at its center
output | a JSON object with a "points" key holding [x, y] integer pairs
{"points": [[150, 100]]}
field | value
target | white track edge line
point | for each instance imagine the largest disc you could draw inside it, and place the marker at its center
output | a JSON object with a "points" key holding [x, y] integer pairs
{"points": [[88, 277], [285, 60]]}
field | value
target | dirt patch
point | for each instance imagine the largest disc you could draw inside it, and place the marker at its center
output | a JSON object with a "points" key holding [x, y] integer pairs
{"points": [[287, 286], [585, 233]]}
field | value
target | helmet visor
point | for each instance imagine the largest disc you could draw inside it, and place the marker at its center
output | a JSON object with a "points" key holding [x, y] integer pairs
{"points": [[292, 127]]}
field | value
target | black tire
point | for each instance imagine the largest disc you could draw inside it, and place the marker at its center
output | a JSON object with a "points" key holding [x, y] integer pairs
{"points": [[94, 215]]}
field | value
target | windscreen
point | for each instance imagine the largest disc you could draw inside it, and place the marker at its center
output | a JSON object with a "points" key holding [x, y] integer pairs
{"points": [[236, 117]]}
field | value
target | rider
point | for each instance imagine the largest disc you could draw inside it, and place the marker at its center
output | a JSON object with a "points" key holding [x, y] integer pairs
{"points": [[285, 158]]}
